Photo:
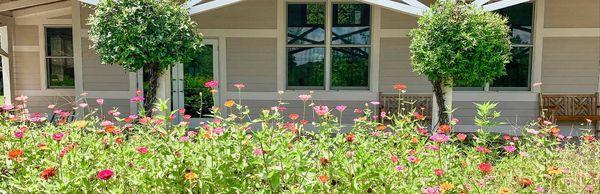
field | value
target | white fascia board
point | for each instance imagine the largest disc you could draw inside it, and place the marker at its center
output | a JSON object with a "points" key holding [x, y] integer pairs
{"points": [[395, 6], [91, 2], [480, 2], [416, 3], [191, 3], [502, 4], [211, 5]]}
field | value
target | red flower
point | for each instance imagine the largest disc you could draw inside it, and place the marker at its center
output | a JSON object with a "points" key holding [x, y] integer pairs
{"points": [[48, 173], [525, 182], [142, 150], [444, 129], [119, 140], [350, 137], [324, 161], [400, 87], [323, 178], [418, 116], [485, 168], [58, 136], [105, 174], [394, 159], [438, 172], [294, 116], [15, 154]]}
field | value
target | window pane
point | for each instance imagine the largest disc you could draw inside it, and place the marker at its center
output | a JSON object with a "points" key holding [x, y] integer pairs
{"points": [[306, 67], [350, 67], [517, 70], [195, 74], [351, 24], [306, 24], [520, 19], [60, 72], [59, 42]]}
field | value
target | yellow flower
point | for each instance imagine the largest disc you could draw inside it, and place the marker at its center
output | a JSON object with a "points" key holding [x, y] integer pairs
{"points": [[80, 124], [554, 171], [446, 186], [504, 191], [190, 176], [229, 103]]}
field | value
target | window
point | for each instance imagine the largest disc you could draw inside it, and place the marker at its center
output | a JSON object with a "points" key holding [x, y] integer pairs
{"points": [[518, 76], [347, 46], [59, 58], [518, 70]]}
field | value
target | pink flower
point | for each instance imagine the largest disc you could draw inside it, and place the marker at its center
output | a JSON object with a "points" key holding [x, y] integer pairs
{"points": [[187, 117], [213, 84], [142, 150], [382, 114], [321, 110], [83, 105], [58, 136], [21, 98], [431, 190], [357, 111], [399, 168], [105, 174], [537, 84], [532, 131], [510, 149], [218, 130], [51, 106], [482, 149], [136, 99], [106, 123], [341, 108], [184, 139], [461, 136], [374, 102], [539, 189], [438, 172], [100, 101], [439, 137], [181, 111], [239, 86], [304, 97], [19, 134], [412, 159], [258, 152], [7, 107]]}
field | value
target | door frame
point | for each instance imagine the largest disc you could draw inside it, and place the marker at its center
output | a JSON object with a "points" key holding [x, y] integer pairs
{"points": [[177, 77]]}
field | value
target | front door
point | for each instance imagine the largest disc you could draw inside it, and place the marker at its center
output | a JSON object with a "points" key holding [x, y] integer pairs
{"points": [[187, 83]]}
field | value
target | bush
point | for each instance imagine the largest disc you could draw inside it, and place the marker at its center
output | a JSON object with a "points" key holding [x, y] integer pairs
{"points": [[277, 152]]}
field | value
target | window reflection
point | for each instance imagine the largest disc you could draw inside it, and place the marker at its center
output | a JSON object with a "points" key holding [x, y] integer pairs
{"points": [[306, 66]]}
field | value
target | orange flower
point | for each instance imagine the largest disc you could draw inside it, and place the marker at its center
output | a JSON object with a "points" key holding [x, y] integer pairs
{"points": [[504, 191], [414, 140], [48, 173], [555, 130], [554, 171], [119, 140], [206, 135], [294, 116], [324, 161], [190, 176], [381, 127], [110, 129], [323, 178], [229, 103], [15, 154], [444, 128], [350, 137], [525, 182]]}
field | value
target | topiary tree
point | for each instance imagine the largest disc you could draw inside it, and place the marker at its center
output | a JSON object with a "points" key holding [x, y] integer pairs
{"points": [[458, 44], [152, 35]]}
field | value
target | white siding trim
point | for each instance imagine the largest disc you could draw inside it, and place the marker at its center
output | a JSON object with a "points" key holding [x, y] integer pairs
{"points": [[6, 62], [212, 5], [571, 32], [479, 2], [18, 48], [416, 3], [504, 96], [317, 95], [281, 45], [502, 4], [77, 49], [538, 44], [55, 92], [242, 33], [395, 6], [375, 49]]}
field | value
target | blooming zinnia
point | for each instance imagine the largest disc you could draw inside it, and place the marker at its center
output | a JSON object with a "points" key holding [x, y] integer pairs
{"points": [[321, 110], [510, 148], [323, 178], [341, 108], [190, 176], [48, 173], [439, 138], [213, 84], [15, 154], [400, 87], [58, 136], [142, 150], [438, 172], [105, 174], [461, 136], [304, 97], [485, 168]]}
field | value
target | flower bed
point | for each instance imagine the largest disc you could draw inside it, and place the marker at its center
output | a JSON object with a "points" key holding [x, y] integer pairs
{"points": [[275, 153]]}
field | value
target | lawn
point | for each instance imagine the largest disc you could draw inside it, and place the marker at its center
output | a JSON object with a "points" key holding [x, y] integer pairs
{"points": [[274, 153]]}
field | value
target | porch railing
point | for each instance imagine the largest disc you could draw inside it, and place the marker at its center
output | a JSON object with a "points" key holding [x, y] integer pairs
{"points": [[421, 103]]}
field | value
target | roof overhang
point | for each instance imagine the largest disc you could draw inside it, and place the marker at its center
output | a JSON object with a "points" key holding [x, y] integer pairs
{"points": [[411, 7]]}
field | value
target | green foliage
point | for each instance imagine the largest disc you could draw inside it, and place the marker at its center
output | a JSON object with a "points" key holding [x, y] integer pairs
{"points": [[136, 33], [460, 44]]}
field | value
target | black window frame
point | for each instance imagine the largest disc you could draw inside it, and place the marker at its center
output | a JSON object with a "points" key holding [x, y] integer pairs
{"points": [[48, 57]]}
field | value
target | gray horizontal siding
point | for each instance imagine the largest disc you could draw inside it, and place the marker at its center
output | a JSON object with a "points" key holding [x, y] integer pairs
{"points": [[252, 61], [395, 67], [255, 14], [572, 14], [512, 113], [297, 107], [570, 65], [99, 77]]}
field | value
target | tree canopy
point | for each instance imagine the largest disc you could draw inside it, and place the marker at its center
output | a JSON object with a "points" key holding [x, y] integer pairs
{"points": [[137, 33], [460, 44]]}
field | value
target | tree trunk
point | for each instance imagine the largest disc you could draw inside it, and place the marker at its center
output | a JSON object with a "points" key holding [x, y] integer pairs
{"points": [[151, 76], [443, 96]]}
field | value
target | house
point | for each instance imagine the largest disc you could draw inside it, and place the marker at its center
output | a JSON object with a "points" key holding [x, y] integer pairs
{"points": [[346, 52]]}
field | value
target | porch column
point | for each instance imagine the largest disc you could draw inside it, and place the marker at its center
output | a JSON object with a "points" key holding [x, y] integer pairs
{"points": [[6, 42]]}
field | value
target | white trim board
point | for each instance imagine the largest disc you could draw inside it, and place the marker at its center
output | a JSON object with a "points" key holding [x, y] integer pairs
{"points": [[571, 32]]}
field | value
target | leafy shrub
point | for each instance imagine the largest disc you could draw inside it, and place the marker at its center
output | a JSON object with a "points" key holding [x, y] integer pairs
{"points": [[279, 152]]}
